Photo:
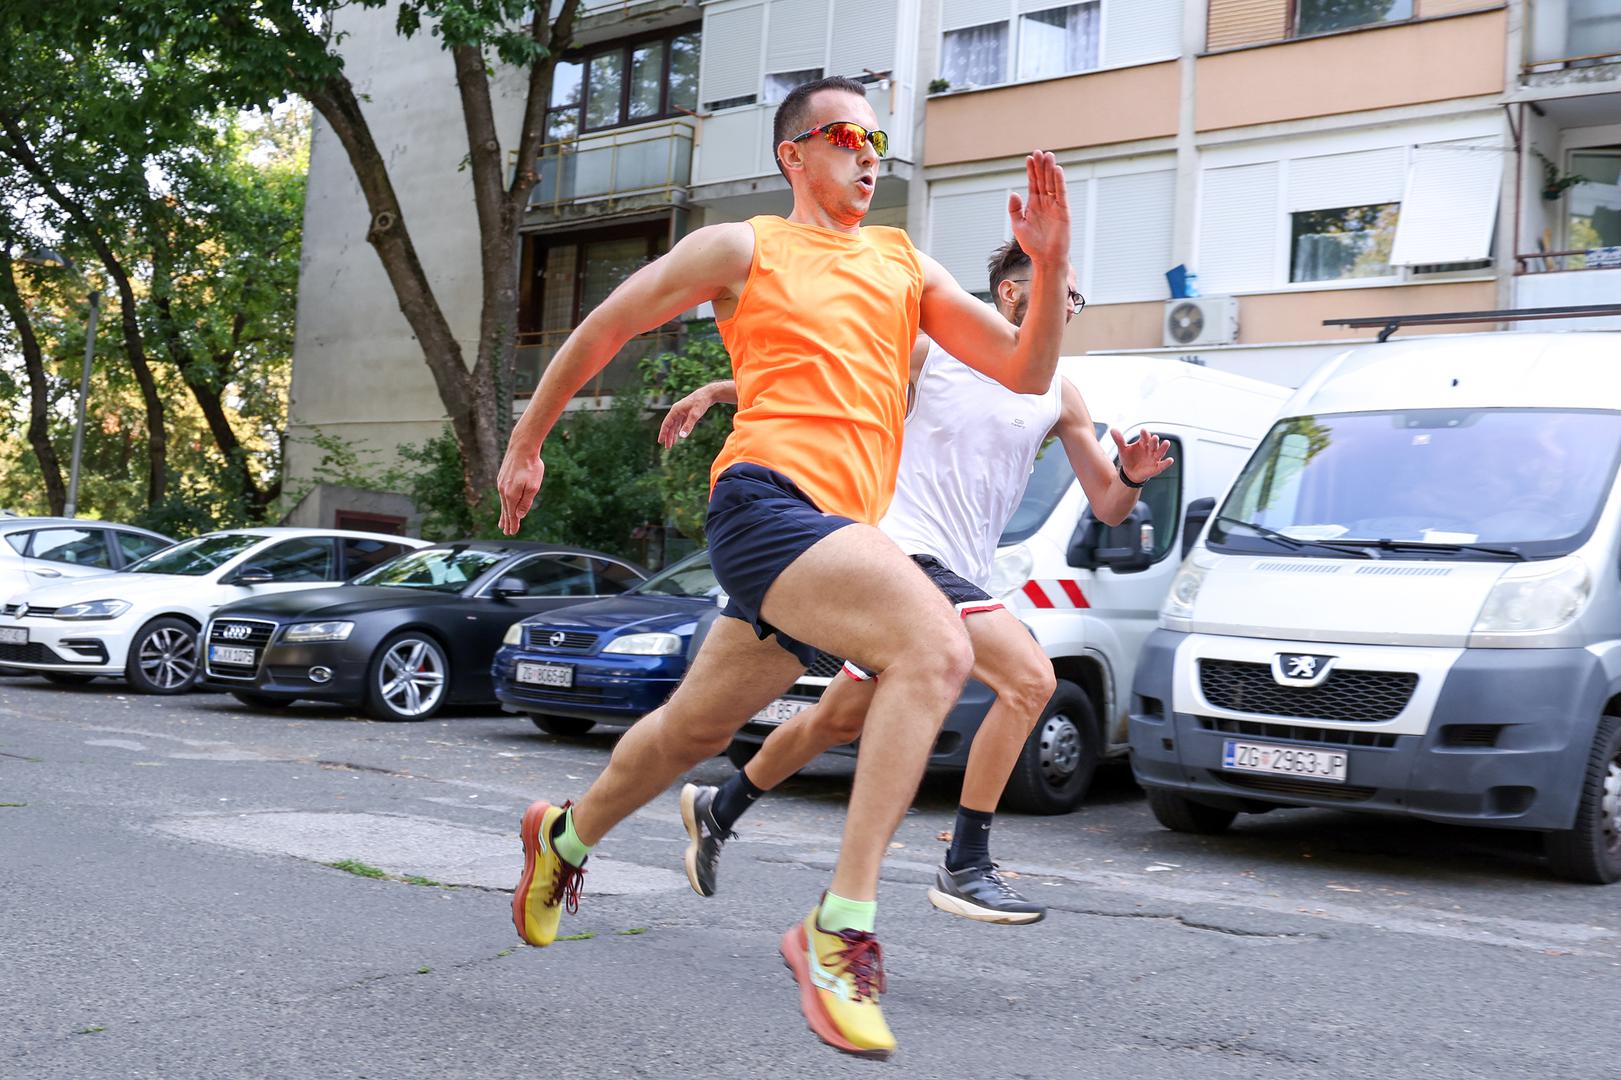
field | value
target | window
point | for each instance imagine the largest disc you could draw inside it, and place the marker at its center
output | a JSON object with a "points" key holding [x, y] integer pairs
{"points": [[305, 559], [1326, 16], [975, 56], [1349, 242], [614, 577], [778, 83], [360, 554], [80, 547], [625, 84], [1593, 209], [437, 569], [194, 558], [1163, 494], [1059, 41], [18, 541], [137, 545], [555, 575], [361, 521]]}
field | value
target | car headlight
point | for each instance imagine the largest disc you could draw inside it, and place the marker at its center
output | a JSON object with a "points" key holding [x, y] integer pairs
{"points": [[1184, 589], [1535, 597], [645, 645], [1010, 570], [514, 635], [318, 631], [93, 609]]}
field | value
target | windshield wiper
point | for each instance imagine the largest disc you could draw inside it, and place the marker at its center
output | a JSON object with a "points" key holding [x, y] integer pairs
{"points": [[1294, 542], [1426, 545]]}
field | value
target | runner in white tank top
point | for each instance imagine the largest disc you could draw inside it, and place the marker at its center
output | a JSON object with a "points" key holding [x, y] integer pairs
{"points": [[968, 451]]}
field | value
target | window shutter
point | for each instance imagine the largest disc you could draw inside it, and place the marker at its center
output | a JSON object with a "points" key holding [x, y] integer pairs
{"points": [[956, 14], [963, 231], [1245, 22], [1238, 228], [1141, 31], [1334, 180], [1078, 253], [1450, 206], [796, 38], [731, 54], [1131, 248], [865, 36]]}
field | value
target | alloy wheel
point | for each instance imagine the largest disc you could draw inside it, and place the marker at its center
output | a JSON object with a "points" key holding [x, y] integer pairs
{"points": [[168, 658], [412, 677]]}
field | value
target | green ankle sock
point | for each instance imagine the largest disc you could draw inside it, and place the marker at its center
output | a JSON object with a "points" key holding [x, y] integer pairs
{"points": [[837, 913], [567, 842]]}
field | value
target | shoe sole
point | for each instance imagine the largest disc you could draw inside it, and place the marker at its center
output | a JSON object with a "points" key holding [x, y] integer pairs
{"points": [[530, 832], [689, 818], [956, 905], [794, 948]]}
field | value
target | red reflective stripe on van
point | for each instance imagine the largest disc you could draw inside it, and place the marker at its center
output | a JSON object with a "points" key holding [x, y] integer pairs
{"points": [[1033, 592], [1072, 589]]}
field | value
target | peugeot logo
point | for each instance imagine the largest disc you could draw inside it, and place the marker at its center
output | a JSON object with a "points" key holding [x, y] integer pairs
{"points": [[1300, 669], [557, 638], [235, 632]]}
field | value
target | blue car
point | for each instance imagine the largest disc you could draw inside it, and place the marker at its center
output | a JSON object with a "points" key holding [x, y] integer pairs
{"points": [[608, 661]]}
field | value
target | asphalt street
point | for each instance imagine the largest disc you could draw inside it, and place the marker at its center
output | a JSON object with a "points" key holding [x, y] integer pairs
{"points": [[168, 910]]}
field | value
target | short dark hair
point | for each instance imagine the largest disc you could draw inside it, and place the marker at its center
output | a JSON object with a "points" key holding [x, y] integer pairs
{"points": [[1006, 261], [792, 114]]}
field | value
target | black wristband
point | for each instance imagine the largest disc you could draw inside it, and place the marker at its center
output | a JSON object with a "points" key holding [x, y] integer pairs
{"points": [[1124, 479]]}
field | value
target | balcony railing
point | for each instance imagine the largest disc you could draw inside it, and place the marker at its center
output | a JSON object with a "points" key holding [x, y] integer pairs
{"points": [[1548, 262], [536, 349], [1566, 34], [653, 161]]}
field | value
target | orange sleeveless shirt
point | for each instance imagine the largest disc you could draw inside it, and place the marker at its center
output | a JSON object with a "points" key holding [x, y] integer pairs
{"points": [[821, 344]]}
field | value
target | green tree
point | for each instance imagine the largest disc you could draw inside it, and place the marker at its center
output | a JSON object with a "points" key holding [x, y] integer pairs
{"points": [[683, 470]]}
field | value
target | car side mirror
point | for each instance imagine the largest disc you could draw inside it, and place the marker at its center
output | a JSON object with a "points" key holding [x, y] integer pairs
{"points": [[1128, 548], [252, 575], [508, 587], [1199, 511], [1083, 542]]}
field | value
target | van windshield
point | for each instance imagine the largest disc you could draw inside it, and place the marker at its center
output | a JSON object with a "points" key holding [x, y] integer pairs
{"points": [[1049, 479], [1426, 483]]}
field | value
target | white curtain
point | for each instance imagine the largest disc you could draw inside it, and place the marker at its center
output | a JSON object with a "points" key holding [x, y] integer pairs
{"points": [[1059, 41], [976, 56]]}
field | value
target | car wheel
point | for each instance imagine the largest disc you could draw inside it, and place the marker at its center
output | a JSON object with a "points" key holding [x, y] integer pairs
{"points": [[561, 725], [408, 679], [740, 753], [1055, 767], [1590, 852], [261, 701], [163, 657], [1184, 815], [65, 678]]}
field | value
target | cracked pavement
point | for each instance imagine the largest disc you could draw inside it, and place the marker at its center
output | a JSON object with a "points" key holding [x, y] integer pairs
{"points": [[168, 910]]}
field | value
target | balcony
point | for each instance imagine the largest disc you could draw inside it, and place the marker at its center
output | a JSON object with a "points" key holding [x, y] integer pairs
{"points": [[1568, 36], [535, 351], [614, 172]]}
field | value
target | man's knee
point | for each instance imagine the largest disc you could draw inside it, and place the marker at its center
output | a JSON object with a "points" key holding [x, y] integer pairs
{"points": [[943, 659], [692, 736], [1028, 687], [837, 723]]}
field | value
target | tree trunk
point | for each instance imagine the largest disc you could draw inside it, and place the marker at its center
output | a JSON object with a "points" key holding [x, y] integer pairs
{"points": [[39, 437]]}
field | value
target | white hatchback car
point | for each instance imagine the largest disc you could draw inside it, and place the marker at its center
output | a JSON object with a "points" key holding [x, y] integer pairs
{"points": [[143, 623]]}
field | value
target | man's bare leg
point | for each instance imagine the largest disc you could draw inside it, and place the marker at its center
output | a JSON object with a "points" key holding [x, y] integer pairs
{"points": [[1009, 661], [833, 721]]}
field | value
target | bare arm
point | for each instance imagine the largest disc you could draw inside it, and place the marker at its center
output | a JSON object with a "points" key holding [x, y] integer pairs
{"points": [[1143, 458], [1022, 358], [685, 414], [711, 264]]}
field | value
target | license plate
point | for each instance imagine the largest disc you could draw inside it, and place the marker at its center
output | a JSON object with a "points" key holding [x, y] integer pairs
{"points": [[779, 711], [13, 635], [1327, 765], [226, 654], [546, 674]]}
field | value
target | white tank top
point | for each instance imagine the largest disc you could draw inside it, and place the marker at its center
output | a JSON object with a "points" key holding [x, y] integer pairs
{"points": [[969, 448]]}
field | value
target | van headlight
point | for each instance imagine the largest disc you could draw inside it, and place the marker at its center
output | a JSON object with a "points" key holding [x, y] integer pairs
{"points": [[514, 635], [306, 632], [645, 645], [1010, 570], [93, 609], [1184, 589], [1536, 597]]}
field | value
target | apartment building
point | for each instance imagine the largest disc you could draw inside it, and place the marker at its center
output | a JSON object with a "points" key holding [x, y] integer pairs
{"points": [[1306, 159]]}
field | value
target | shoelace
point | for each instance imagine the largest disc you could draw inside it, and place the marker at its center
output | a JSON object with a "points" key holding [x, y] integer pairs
{"points": [[1003, 887], [862, 959], [567, 885]]}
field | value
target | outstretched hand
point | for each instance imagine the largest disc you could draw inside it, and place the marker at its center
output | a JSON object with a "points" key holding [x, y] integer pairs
{"points": [[518, 483], [684, 416], [1143, 458], [1041, 218]]}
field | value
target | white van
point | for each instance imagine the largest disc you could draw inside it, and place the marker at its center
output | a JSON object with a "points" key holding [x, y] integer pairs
{"points": [[1409, 603], [1091, 594]]}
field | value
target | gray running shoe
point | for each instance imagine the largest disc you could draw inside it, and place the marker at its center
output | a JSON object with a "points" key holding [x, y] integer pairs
{"points": [[979, 893], [703, 853]]}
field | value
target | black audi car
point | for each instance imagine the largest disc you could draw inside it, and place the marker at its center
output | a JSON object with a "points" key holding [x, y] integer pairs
{"points": [[405, 638]]}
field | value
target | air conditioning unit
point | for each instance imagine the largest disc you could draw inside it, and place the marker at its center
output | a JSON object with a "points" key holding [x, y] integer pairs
{"points": [[1202, 320]]}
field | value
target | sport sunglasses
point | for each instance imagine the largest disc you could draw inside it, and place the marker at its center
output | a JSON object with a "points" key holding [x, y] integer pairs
{"points": [[848, 136], [1077, 302]]}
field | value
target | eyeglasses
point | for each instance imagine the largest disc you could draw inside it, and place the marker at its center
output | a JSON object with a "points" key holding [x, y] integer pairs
{"points": [[1076, 301], [848, 136]]}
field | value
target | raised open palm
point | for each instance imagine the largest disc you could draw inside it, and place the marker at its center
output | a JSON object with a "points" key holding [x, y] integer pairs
{"points": [[1041, 218]]}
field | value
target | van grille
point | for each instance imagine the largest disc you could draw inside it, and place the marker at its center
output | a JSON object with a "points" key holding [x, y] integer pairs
{"points": [[1377, 740], [1365, 697]]}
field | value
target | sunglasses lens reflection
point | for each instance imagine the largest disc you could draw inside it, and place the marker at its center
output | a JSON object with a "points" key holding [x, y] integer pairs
{"points": [[853, 136]]}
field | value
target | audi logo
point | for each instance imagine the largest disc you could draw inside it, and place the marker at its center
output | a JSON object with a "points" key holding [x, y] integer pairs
{"points": [[557, 638], [235, 632]]}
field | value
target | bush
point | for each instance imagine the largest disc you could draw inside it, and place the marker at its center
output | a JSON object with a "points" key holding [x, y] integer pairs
{"points": [[683, 478]]}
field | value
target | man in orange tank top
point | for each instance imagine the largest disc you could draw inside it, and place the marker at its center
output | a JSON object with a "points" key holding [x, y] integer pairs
{"points": [[819, 316]]}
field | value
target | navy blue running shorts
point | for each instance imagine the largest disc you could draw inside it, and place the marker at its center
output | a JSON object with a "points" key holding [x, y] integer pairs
{"points": [[759, 522]]}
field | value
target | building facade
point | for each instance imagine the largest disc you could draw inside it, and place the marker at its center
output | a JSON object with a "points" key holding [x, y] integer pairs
{"points": [[1305, 160]]}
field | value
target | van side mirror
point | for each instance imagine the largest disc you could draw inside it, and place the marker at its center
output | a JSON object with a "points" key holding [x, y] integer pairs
{"points": [[508, 587], [1128, 548], [1199, 511], [1083, 542], [252, 575]]}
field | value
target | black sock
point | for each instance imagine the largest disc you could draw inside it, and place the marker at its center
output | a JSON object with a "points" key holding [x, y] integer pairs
{"points": [[734, 797], [970, 840]]}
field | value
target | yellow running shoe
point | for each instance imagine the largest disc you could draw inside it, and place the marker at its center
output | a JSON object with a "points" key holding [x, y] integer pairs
{"points": [[549, 884], [841, 974]]}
